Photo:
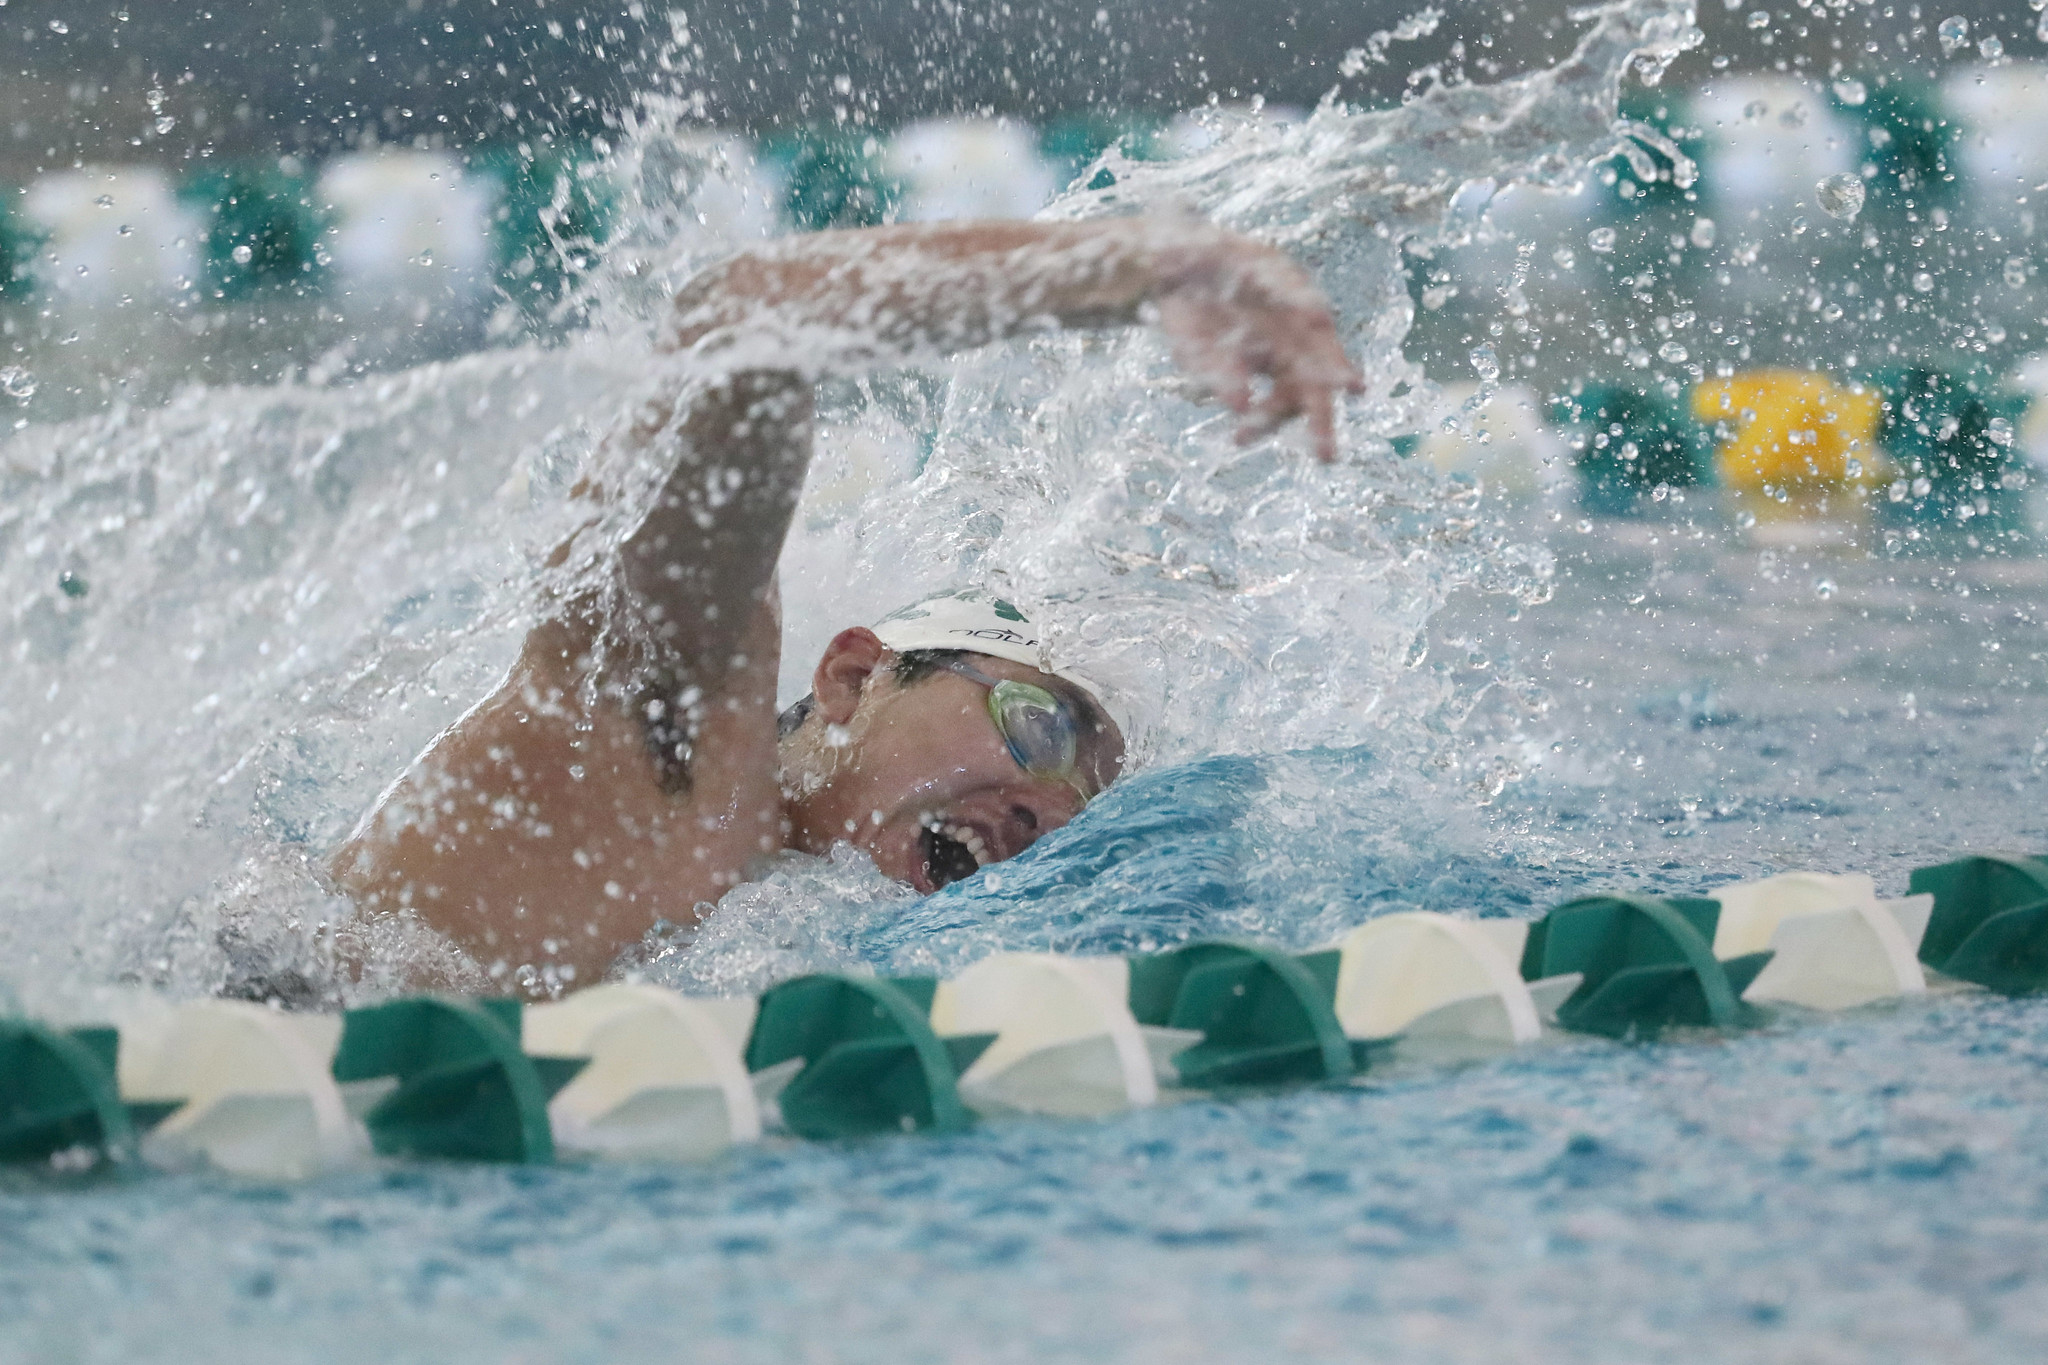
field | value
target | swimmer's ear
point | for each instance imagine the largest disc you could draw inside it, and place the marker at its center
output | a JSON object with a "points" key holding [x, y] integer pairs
{"points": [[850, 660]]}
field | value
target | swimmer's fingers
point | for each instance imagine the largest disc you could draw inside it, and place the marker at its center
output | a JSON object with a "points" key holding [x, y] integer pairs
{"points": [[1315, 383], [1206, 344], [1231, 339], [1308, 372]]}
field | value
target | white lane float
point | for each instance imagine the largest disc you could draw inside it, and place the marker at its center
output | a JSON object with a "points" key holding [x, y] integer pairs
{"points": [[406, 218], [2002, 154], [970, 168], [1066, 1041], [1769, 139], [254, 1084], [1834, 944], [1443, 987], [113, 232], [665, 1081]]}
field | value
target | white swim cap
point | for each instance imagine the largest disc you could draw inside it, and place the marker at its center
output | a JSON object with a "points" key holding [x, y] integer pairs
{"points": [[973, 620]]}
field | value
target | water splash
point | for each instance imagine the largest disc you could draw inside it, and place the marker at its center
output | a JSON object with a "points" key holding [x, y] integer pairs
{"points": [[294, 586]]}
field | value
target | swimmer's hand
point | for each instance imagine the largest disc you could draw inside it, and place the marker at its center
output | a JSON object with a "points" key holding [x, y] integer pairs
{"points": [[1253, 326]]}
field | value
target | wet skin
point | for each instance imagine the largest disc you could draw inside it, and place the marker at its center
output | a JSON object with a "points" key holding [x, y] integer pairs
{"points": [[918, 776]]}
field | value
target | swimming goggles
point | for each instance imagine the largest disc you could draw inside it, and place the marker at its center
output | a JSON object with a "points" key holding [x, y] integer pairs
{"points": [[1039, 728]]}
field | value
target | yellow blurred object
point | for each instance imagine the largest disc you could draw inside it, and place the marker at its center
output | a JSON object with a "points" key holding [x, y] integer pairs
{"points": [[1794, 435]]}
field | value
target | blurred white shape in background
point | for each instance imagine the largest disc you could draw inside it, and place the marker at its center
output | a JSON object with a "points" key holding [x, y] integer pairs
{"points": [[1504, 443], [1197, 130], [2004, 113], [2032, 376], [733, 198], [970, 168], [406, 218], [1770, 139], [112, 232]]}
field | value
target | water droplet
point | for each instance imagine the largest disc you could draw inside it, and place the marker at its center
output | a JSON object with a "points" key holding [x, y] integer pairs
{"points": [[243, 253], [1660, 492], [124, 231], [1486, 362], [16, 382], [72, 584], [2016, 271], [59, 26], [1999, 431], [1824, 588], [2041, 30], [1840, 195], [1759, 18], [1745, 520], [1991, 49], [1923, 282], [1953, 31], [424, 258], [1564, 256], [1851, 92], [1702, 233], [105, 201], [1601, 239], [1995, 334], [1673, 352], [165, 123]]}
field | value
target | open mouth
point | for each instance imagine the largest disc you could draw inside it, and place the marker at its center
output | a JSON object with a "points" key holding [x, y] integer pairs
{"points": [[951, 852]]}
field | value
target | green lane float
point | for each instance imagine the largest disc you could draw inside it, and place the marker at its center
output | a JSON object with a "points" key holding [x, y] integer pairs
{"points": [[19, 242], [1949, 439], [634, 1072], [58, 1093], [555, 208], [1266, 1018], [1990, 921], [1646, 963], [1628, 440], [862, 1056], [262, 228], [464, 1091], [834, 178]]}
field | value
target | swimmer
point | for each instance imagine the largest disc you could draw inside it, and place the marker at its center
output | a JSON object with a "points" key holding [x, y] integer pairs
{"points": [[631, 769]]}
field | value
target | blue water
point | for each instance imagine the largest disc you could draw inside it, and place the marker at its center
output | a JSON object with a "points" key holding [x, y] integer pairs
{"points": [[1866, 1187]]}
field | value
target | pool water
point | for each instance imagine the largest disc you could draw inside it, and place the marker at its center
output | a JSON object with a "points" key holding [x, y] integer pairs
{"points": [[1863, 1187]]}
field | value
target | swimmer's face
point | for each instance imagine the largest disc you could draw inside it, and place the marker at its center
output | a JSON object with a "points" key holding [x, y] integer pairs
{"points": [[917, 773]]}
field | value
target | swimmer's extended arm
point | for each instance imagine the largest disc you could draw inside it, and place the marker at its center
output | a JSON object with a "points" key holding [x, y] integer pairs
{"points": [[1241, 316]]}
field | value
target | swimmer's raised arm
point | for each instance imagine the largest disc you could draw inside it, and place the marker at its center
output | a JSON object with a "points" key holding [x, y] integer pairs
{"points": [[1237, 312]]}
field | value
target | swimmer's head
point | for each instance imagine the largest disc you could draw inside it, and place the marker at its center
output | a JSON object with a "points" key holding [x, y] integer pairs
{"points": [[942, 740]]}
